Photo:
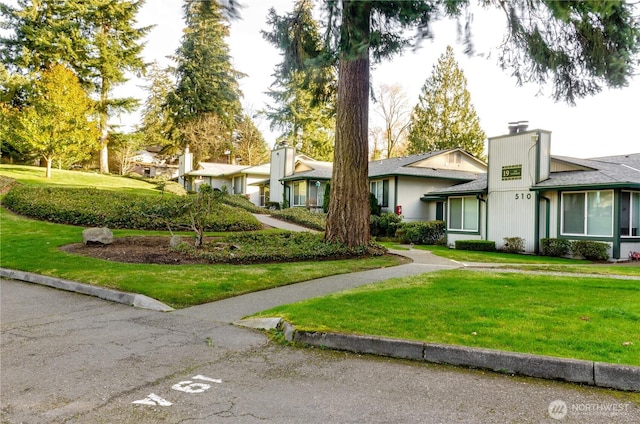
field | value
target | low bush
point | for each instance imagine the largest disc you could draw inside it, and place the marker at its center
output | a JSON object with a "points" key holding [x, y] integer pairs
{"points": [[513, 244], [476, 245], [555, 247], [385, 225], [422, 232], [104, 208], [590, 250], [280, 247], [241, 201], [304, 217]]}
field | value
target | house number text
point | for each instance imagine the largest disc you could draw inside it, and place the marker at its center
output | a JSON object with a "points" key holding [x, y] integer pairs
{"points": [[522, 196]]}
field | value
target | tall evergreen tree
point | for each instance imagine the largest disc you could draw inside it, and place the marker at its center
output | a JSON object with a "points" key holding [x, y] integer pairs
{"points": [[114, 48], [250, 145], [444, 117], [95, 38], [206, 83], [157, 122], [304, 93]]}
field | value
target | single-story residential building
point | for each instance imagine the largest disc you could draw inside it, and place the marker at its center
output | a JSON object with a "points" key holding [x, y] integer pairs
{"points": [[397, 183], [235, 179], [529, 193]]}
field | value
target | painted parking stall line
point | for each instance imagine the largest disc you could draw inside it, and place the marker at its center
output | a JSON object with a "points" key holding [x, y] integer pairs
{"points": [[188, 386]]}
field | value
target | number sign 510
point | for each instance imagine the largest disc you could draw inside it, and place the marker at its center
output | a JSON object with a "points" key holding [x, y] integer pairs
{"points": [[522, 196]]}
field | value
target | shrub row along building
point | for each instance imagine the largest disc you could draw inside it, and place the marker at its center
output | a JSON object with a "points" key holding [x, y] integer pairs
{"points": [[523, 191]]}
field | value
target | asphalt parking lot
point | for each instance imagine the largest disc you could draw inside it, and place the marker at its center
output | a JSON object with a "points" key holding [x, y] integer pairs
{"points": [[67, 357]]}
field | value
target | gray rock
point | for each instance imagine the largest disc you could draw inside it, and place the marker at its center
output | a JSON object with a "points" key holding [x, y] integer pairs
{"points": [[97, 236]]}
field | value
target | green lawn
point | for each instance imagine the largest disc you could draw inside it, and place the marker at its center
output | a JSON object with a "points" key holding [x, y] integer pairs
{"points": [[584, 318], [32, 175], [532, 262], [30, 245]]}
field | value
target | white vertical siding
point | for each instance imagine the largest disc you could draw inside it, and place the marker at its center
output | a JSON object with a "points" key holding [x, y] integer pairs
{"points": [[511, 206]]}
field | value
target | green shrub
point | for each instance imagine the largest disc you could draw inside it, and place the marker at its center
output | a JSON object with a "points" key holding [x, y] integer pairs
{"points": [[280, 247], [374, 207], [104, 208], [513, 244], [273, 206], [385, 225], [590, 250], [555, 247], [304, 217], [241, 201], [421, 232], [326, 197], [476, 245]]}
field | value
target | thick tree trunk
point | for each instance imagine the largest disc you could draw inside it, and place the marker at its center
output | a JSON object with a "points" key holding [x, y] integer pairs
{"points": [[348, 215]]}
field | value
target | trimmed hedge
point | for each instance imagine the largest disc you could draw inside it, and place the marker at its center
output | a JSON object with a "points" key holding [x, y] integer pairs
{"points": [[421, 232], [555, 247], [304, 217], [241, 201], [104, 208], [476, 245], [590, 250]]}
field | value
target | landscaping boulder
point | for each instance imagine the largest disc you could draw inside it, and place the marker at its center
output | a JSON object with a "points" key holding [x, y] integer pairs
{"points": [[101, 235]]}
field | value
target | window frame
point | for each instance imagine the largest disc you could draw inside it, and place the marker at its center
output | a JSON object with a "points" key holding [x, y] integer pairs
{"points": [[585, 213], [463, 214], [384, 202], [630, 214], [301, 186]]}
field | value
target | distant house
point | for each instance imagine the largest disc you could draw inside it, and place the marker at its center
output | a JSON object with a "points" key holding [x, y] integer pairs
{"points": [[235, 179], [531, 194], [148, 163]]}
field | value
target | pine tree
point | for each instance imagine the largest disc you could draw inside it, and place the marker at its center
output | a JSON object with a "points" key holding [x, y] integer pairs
{"points": [[444, 117], [156, 118], [250, 145], [207, 85], [304, 94], [95, 38]]}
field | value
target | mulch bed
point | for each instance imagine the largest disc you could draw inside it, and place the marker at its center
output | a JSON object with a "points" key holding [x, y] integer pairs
{"points": [[138, 249]]}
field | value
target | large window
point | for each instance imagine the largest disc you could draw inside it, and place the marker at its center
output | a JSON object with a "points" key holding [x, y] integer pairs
{"points": [[588, 213], [630, 214], [463, 213], [380, 189], [300, 193]]}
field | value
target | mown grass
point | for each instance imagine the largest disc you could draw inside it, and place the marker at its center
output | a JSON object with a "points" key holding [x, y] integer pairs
{"points": [[585, 318], [32, 175], [533, 262], [30, 245]]}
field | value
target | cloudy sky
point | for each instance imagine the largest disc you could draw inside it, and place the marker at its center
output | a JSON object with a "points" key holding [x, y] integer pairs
{"points": [[602, 125]]}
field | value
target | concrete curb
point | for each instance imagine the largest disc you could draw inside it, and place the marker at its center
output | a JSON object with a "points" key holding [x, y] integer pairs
{"points": [[132, 299], [614, 376]]}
